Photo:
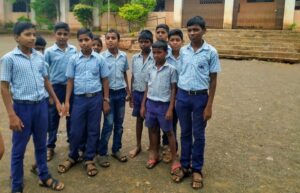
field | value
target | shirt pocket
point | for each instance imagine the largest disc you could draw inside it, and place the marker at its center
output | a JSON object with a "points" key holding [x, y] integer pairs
{"points": [[201, 64]]}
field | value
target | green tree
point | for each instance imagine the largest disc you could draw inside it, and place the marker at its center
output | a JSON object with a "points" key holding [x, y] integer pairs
{"points": [[148, 4], [84, 14]]}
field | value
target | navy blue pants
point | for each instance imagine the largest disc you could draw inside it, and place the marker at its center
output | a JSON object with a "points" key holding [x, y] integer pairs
{"points": [[174, 122], [60, 91], [113, 121], [190, 114], [86, 117], [35, 120]]}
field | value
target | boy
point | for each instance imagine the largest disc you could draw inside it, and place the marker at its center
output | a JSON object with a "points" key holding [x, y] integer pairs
{"points": [[40, 44], [24, 69], [160, 95], [97, 44], [57, 57], [140, 65], [161, 32], [118, 93], [197, 75], [87, 74]]}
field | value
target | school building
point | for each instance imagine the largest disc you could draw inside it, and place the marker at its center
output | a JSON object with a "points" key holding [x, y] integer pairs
{"points": [[227, 14]]}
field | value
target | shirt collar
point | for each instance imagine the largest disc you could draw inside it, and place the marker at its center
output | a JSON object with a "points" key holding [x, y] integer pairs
{"points": [[93, 54], [150, 56], [17, 51], [109, 54], [203, 47], [166, 65], [55, 47]]}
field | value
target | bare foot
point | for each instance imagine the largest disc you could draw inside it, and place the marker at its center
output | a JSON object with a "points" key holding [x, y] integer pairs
{"points": [[135, 152]]}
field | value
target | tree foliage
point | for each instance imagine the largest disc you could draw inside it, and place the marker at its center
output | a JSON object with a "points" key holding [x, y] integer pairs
{"points": [[148, 4], [84, 14]]}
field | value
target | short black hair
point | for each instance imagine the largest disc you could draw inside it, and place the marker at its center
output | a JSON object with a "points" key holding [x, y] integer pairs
{"points": [[164, 26], [113, 31], [84, 31], [176, 32], [21, 26], [61, 25], [40, 41], [160, 44], [96, 37], [146, 35], [197, 20]]}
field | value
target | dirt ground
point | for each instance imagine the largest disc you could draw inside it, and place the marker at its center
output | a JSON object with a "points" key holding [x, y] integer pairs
{"points": [[252, 146]]}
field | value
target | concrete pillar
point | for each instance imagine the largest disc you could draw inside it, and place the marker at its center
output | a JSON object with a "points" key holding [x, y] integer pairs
{"points": [[178, 13], [64, 10], [32, 14], [289, 11], [96, 19], [228, 14], [2, 12]]}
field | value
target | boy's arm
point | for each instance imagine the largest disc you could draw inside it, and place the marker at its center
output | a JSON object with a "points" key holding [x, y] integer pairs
{"points": [[212, 90], [131, 98], [128, 97], [169, 114], [53, 96], [2, 148], [143, 105], [15, 123], [105, 85], [70, 84]]}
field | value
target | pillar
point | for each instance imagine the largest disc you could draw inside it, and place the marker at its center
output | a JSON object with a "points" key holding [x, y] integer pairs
{"points": [[228, 14], [289, 12], [178, 13]]}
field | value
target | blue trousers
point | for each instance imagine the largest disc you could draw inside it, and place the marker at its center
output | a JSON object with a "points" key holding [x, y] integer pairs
{"points": [[113, 121], [35, 120], [174, 122], [190, 114], [86, 116], [60, 91]]}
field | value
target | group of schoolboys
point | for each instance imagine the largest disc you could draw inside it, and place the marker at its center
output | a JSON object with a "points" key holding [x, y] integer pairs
{"points": [[83, 84]]}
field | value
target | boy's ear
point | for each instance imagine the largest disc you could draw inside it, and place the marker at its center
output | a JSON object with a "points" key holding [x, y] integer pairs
{"points": [[16, 38]]}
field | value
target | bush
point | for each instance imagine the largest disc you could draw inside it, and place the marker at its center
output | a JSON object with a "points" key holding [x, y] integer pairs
{"points": [[84, 14], [23, 18], [292, 26]]}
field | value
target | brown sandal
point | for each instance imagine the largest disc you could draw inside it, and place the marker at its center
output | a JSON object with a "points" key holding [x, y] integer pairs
{"points": [[197, 180], [91, 168], [177, 172], [52, 184], [50, 154], [66, 165]]}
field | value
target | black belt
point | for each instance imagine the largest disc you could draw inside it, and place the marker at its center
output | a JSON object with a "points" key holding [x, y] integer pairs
{"points": [[27, 102], [195, 92], [88, 95]]}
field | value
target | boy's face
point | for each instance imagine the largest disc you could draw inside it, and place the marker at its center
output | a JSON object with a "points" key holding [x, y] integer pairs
{"points": [[62, 37], [97, 46], [145, 45], [159, 55], [85, 43], [161, 34], [27, 38], [175, 42], [40, 49], [111, 40], [195, 33]]}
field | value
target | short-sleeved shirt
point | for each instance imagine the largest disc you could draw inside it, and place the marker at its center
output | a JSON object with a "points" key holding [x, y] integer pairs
{"points": [[87, 72], [139, 71], [58, 60], [117, 66], [159, 82], [195, 68], [26, 74], [176, 62]]}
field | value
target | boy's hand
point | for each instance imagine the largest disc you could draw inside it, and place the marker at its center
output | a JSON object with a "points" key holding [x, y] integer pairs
{"points": [[106, 107], [143, 112], [169, 115], [207, 113], [131, 102], [15, 123], [66, 109], [51, 101], [128, 97], [59, 108]]}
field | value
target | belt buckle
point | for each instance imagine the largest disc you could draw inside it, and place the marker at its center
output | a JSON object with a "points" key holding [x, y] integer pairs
{"points": [[191, 92], [89, 95]]}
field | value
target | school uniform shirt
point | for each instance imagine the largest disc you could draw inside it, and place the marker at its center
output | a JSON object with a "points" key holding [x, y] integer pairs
{"points": [[116, 66], [87, 72], [176, 62], [193, 73], [159, 82], [139, 71], [58, 60], [25, 74]]}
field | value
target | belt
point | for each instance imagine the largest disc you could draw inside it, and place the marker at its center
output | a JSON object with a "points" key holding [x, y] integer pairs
{"points": [[88, 95], [195, 92], [27, 102]]}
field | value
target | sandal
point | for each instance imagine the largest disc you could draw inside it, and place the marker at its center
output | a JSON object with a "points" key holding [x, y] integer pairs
{"points": [[151, 163], [91, 168], [54, 184], [177, 172], [119, 156], [34, 169], [50, 154], [197, 180], [166, 155], [66, 165], [103, 161]]}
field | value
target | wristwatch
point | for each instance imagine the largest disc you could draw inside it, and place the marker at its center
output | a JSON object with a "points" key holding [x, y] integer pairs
{"points": [[106, 100]]}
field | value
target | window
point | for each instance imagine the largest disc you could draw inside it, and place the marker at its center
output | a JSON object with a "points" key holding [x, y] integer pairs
{"points": [[297, 7], [160, 5], [259, 1], [21, 6], [211, 1], [73, 3]]}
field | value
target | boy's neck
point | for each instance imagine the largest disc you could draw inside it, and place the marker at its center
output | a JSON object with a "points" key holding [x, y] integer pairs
{"points": [[63, 47], [87, 53], [146, 52], [114, 51], [175, 53], [160, 64], [25, 50], [197, 44]]}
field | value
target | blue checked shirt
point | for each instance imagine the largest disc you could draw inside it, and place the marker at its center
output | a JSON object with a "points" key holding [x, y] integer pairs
{"points": [[58, 60], [87, 72], [117, 66], [176, 62], [25, 74], [193, 73], [139, 71], [159, 82]]}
